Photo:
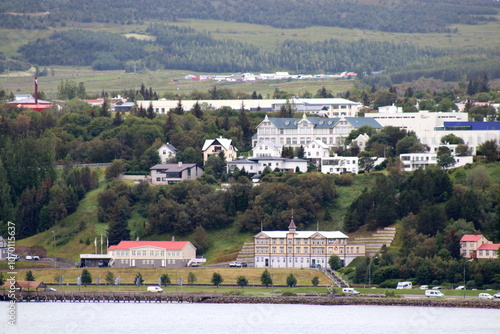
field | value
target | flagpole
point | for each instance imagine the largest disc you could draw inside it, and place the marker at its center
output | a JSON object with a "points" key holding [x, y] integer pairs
{"points": [[101, 243], [95, 244]]}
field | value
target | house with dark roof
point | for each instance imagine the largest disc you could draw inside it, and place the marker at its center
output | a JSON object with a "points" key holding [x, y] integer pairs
{"points": [[478, 247], [166, 152], [164, 174], [296, 132], [152, 254]]}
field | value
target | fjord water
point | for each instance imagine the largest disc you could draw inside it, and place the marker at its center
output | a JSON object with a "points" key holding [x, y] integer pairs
{"points": [[109, 318]]}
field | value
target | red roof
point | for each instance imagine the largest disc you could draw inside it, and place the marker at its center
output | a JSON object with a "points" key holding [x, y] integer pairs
{"points": [[489, 247], [170, 245], [471, 237]]}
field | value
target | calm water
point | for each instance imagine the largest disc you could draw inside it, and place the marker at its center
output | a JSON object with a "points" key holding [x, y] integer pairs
{"points": [[142, 318]]}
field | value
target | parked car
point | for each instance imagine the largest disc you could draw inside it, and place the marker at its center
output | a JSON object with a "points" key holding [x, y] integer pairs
{"points": [[235, 264], [244, 264], [485, 295], [154, 289], [315, 266], [433, 293], [28, 257], [424, 287], [50, 289], [350, 291], [497, 295], [436, 288], [460, 287]]}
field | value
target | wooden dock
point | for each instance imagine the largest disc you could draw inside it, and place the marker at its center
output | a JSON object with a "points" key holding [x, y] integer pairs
{"points": [[109, 297]]}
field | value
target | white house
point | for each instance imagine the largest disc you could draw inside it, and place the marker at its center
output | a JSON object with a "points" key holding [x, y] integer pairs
{"points": [[361, 141], [339, 165], [316, 150], [216, 146], [414, 161], [257, 165], [167, 152], [267, 149]]}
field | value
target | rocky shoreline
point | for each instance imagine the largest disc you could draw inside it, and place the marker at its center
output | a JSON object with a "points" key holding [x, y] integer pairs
{"points": [[356, 301]]}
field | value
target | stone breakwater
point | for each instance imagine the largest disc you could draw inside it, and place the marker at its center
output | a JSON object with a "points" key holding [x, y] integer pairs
{"points": [[219, 298], [357, 301]]}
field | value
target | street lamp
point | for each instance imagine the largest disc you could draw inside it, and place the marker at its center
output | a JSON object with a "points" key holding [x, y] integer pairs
{"points": [[465, 264], [55, 260], [370, 271]]}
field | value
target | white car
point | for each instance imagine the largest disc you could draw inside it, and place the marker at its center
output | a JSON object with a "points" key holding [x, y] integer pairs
{"points": [[235, 264], [154, 289], [28, 257], [497, 295], [460, 287], [485, 295], [433, 293], [424, 287]]}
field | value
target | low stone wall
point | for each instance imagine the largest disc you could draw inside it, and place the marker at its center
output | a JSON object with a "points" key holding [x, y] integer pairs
{"points": [[357, 301]]}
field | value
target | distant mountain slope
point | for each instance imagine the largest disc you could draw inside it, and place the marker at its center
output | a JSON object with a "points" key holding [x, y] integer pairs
{"points": [[392, 16]]}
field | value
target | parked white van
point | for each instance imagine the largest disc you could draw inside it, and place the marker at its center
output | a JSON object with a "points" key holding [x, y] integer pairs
{"points": [[154, 289], [350, 291], [433, 293], [404, 285]]}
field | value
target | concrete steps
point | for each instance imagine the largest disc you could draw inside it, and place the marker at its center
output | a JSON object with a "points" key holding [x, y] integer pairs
{"points": [[247, 254], [374, 243]]}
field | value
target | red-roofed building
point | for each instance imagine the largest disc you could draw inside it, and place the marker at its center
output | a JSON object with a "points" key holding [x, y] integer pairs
{"points": [[31, 103], [487, 251], [152, 254], [477, 246]]}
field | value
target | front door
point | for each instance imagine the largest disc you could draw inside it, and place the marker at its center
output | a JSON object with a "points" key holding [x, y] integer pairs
{"points": [[266, 263]]}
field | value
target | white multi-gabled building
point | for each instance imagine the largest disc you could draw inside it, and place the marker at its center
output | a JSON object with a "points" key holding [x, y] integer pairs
{"points": [[296, 132]]}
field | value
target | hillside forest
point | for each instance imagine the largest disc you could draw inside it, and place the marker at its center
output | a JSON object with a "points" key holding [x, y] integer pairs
{"points": [[433, 208], [71, 37]]}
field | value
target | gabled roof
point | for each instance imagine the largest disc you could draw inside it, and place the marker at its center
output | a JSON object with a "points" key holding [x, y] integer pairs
{"points": [[489, 247], [471, 237], [170, 245], [173, 167], [170, 147], [224, 142], [317, 142]]}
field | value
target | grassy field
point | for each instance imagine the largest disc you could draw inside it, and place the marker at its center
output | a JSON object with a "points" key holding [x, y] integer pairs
{"points": [[203, 275]]}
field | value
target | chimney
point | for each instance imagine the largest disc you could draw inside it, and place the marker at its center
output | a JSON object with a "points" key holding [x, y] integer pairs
{"points": [[173, 238], [179, 164], [36, 90]]}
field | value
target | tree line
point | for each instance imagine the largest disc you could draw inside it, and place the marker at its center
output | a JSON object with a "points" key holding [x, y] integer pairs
{"points": [[420, 16]]}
